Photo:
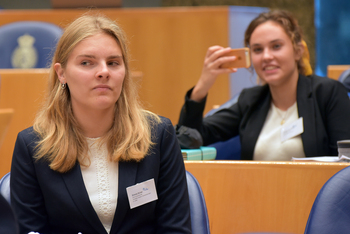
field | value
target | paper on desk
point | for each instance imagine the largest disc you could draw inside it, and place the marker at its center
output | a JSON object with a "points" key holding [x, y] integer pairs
{"points": [[342, 158]]}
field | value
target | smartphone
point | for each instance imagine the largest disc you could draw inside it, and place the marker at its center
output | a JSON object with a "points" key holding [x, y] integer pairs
{"points": [[242, 58]]}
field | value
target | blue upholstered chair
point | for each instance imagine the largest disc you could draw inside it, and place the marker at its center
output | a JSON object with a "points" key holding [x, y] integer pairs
{"points": [[344, 78], [228, 150], [330, 213], [5, 187], [199, 215], [28, 44]]}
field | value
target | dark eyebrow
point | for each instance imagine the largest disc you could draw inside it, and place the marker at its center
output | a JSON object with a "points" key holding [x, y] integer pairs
{"points": [[92, 56], [277, 40], [115, 57], [86, 55], [271, 42]]}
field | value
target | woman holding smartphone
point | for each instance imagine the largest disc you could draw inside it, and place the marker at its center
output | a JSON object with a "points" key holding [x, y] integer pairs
{"points": [[290, 115]]}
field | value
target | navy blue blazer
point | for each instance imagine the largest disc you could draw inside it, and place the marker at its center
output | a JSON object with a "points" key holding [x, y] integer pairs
{"points": [[322, 102], [47, 201], [8, 224]]}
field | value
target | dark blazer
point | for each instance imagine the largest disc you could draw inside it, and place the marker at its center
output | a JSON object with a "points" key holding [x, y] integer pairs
{"points": [[8, 224], [323, 103], [46, 201]]}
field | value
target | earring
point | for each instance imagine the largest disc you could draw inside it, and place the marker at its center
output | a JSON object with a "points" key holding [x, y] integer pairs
{"points": [[63, 85]]}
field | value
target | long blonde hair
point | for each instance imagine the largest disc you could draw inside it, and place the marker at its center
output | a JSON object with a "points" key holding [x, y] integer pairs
{"points": [[61, 140]]}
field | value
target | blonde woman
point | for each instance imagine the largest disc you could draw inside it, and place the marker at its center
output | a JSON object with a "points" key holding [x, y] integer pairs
{"points": [[94, 160]]}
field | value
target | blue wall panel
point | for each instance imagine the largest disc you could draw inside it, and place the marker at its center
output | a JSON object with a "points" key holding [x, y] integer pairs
{"points": [[239, 19], [332, 25]]}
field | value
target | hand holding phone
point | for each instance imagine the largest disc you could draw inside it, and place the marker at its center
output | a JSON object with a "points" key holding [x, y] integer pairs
{"points": [[242, 58]]}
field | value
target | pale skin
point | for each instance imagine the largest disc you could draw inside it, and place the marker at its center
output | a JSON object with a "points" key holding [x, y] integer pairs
{"points": [[94, 73], [275, 61], [214, 58], [273, 57]]}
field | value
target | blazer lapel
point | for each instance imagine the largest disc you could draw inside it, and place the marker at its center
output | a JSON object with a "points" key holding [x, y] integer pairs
{"points": [[306, 109], [127, 178], [75, 185], [256, 121]]}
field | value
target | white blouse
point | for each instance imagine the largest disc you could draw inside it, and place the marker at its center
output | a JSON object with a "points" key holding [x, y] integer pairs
{"points": [[269, 146], [101, 182]]}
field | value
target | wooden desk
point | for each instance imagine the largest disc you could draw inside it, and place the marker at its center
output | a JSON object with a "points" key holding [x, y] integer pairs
{"points": [[252, 196], [5, 120], [23, 91], [167, 44], [334, 71]]}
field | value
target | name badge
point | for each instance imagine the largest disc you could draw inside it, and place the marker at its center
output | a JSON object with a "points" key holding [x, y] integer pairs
{"points": [[293, 129], [142, 193]]}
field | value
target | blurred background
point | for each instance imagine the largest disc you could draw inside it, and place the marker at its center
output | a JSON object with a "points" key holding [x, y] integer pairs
{"points": [[325, 23]]}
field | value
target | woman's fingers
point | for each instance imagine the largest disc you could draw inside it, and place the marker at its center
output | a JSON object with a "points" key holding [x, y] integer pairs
{"points": [[216, 57]]}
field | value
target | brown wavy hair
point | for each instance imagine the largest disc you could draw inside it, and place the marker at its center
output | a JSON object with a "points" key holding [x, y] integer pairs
{"points": [[287, 22]]}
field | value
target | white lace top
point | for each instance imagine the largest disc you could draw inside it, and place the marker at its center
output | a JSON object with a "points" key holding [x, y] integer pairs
{"points": [[101, 182]]}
